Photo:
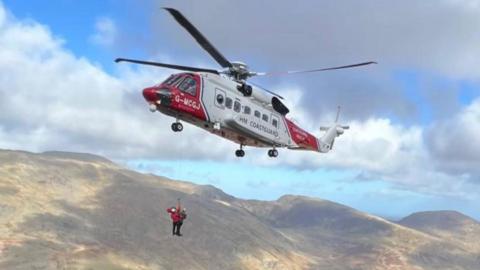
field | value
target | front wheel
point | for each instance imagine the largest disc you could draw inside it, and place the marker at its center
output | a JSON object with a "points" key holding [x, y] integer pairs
{"points": [[177, 127]]}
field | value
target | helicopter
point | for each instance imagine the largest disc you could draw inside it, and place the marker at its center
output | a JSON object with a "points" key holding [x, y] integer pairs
{"points": [[224, 103]]}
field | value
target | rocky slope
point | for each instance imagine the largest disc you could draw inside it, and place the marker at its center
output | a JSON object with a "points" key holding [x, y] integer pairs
{"points": [[79, 211]]}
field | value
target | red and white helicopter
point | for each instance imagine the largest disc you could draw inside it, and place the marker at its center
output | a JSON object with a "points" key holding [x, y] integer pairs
{"points": [[221, 102]]}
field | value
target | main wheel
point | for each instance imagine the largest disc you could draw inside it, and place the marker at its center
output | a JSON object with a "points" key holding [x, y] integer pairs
{"points": [[179, 127], [240, 153], [272, 153], [174, 127]]}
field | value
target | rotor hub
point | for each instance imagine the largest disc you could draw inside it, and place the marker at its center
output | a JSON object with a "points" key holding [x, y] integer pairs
{"points": [[239, 71]]}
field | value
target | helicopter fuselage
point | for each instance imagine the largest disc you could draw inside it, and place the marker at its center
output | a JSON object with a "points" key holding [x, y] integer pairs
{"points": [[214, 103]]}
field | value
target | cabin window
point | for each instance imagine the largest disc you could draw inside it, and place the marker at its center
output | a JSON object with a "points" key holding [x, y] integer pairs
{"points": [[237, 106], [246, 110], [189, 86], [220, 99], [257, 114], [265, 118], [228, 102], [274, 122]]}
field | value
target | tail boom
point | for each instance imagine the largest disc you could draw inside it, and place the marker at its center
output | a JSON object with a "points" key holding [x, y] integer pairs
{"points": [[303, 140]]}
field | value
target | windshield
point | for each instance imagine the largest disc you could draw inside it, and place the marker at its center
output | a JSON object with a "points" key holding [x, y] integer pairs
{"points": [[173, 80], [189, 86]]}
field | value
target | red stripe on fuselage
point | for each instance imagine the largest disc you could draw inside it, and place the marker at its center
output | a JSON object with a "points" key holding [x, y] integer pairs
{"points": [[302, 138]]}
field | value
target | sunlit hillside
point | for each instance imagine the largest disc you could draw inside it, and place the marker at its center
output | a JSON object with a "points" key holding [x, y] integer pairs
{"points": [[79, 211]]}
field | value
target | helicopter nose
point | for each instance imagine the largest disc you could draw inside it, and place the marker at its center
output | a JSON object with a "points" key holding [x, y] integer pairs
{"points": [[150, 94]]}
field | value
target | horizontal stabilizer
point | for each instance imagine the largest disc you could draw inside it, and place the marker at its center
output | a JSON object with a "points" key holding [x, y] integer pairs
{"points": [[326, 128]]}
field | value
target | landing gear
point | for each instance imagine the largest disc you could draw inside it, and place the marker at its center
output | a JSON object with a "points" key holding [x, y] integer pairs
{"points": [[240, 152], [177, 127], [273, 153]]}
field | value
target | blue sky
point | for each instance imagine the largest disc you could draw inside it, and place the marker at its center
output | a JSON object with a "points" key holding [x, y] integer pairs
{"points": [[72, 21], [407, 102]]}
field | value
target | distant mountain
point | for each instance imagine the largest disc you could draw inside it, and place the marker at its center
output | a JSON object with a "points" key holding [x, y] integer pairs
{"points": [[79, 211], [453, 226], [449, 221]]}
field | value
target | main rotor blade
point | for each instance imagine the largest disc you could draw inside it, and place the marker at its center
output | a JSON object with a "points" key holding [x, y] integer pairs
{"points": [[312, 70], [186, 68], [206, 45]]}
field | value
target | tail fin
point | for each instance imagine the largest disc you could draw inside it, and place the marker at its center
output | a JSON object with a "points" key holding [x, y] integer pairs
{"points": [[328, 139]]}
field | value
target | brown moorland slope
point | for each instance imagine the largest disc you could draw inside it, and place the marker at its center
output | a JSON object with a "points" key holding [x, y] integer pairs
{"points": [[79, 211]]}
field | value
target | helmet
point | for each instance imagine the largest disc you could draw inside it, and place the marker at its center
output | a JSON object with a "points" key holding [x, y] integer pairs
{"points": [[174, 209], [184, 209]]}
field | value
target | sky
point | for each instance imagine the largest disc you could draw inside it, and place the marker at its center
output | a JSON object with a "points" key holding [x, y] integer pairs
{"points": [[414, 140]]}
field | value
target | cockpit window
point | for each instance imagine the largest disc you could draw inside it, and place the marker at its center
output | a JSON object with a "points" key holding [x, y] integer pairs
{"points": [[189, 86], [173, 80]]}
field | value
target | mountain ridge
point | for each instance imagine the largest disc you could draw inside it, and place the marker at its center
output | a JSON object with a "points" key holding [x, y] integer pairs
{"points": [[81, 211]]}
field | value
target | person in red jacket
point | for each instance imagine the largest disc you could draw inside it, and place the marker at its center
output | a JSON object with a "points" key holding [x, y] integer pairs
{"points": [[177, 217]]}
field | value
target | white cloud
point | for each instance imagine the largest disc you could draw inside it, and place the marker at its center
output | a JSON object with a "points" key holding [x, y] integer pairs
{"points": [[411, 157], [52, 99], [455, 143], [105, 32]]}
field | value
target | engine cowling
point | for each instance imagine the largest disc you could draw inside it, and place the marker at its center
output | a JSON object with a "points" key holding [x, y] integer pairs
{"points": [[262, 96], [267, 98]]}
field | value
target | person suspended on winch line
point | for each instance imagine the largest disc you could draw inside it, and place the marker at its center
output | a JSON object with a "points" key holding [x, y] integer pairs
{"points": [[177, 214]]}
